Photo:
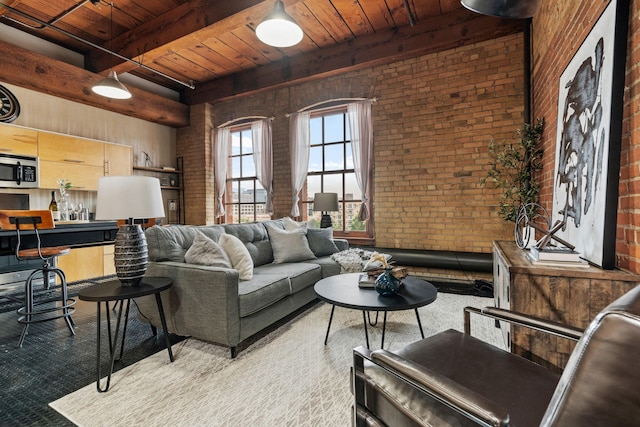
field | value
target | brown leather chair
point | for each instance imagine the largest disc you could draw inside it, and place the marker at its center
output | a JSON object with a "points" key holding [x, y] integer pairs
{"points": [[32, 312], [453, 379]]}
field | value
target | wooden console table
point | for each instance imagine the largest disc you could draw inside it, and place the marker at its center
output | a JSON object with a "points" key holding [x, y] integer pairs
{"points": [[569, 295]]}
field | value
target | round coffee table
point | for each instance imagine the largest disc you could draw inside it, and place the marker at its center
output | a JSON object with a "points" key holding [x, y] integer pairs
{"points": [[343, 290]]}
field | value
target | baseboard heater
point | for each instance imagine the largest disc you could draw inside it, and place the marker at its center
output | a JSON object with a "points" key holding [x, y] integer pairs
{"points": [[448, 260]]}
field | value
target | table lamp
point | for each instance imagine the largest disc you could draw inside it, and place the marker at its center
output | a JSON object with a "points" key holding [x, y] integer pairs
{"points": [[130, 198], [325, 202]]}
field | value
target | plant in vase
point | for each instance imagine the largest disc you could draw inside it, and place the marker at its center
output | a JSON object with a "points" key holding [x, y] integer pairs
{"points": [[63, 201], [513, 169]]}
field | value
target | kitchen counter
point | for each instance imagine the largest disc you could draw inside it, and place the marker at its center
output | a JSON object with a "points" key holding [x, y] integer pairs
{"points": [[69, 233]]}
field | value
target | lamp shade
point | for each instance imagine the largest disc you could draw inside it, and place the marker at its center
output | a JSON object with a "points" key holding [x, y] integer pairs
{"points": [[279, 29], [111, 87], [325, 202], [124, 197], [520, 9]]}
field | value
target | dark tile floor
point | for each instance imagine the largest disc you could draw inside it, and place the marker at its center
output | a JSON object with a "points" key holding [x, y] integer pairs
{"points": [[52, 363]]}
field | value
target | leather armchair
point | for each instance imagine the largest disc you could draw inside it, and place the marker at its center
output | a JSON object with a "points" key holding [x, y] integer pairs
{"points": [[454, 379]]}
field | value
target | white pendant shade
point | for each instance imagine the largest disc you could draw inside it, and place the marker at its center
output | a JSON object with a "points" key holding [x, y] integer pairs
{"points": [[519, 9], [279, 29], [111, 87]]}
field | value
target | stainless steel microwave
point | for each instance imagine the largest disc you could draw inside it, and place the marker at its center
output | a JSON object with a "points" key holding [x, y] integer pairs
{"points": [[18, 171]]}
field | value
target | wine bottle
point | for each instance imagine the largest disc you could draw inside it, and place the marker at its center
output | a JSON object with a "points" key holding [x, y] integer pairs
{"points": [[53, 207]]}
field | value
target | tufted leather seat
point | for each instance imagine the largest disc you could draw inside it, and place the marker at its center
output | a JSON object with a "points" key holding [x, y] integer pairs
{"points": [[453, 379]]}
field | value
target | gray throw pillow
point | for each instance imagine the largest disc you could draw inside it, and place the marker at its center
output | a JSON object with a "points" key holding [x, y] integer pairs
{"points": [[205, 251], [289, 246], [321, 241]]}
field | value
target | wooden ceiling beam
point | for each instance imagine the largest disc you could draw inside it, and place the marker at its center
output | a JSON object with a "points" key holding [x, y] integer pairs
{"points": [[180, 28], [457, 28], [25, 68]]}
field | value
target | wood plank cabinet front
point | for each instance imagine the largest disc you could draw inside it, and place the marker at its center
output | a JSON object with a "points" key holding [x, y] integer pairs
{"points": [[573, 296], [18, 141], [77, 160], [117, 160]]}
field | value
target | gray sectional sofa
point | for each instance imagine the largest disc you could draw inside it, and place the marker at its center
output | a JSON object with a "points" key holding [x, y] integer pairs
{"points": [[211, 302]]}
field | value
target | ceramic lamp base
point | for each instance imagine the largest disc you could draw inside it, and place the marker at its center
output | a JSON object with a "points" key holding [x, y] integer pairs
{"points": [[131, 256], [325, 222]]}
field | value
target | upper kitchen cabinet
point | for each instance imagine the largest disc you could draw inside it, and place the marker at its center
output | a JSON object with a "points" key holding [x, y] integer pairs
{"points": [[117, 160], [77, 160], [18, 141]]}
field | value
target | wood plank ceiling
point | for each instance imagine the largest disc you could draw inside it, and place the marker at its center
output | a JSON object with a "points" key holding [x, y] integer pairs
{"points": [[212, 43]]}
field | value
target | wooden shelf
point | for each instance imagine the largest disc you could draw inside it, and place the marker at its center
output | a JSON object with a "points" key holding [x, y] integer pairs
{"points": [[160, 170]]}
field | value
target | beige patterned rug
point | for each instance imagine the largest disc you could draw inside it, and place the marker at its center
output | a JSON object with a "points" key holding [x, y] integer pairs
{"points": [[287, 378]]}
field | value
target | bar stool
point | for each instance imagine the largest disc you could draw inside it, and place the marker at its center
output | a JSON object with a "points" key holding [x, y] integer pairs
{"points": [[27, 220]]}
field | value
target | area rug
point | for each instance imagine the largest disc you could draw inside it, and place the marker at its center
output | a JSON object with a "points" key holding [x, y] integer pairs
{"points": [[13, 301], [287, 378]]}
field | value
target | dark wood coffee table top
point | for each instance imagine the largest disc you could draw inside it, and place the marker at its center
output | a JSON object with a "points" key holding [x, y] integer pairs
{"points": [[343, 290]]}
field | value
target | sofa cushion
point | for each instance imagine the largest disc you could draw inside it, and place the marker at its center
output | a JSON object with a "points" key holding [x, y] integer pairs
{"points": [[205, 251], [289, 246], [239, 255], [301, 275], [321, 241], [328, 266], [254, 236], [261, 291], [171, 243]]}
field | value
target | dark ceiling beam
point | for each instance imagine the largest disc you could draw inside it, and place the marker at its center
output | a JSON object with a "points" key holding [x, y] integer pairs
{"points": [[30, 70], [457, 28], [180, 28]]}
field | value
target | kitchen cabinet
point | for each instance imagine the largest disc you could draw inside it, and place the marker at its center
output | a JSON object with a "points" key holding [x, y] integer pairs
{"points": [[77, 160], [82, 263], [117, 160], [572, 296], [18, 141]]}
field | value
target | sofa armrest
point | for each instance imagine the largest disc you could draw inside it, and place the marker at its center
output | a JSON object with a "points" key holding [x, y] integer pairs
{"points": [[341, 244], [459, 398], [203, 301], [521, 319]]}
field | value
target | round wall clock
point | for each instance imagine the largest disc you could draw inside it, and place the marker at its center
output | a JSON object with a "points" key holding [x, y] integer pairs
{"points": [[9, 106]]}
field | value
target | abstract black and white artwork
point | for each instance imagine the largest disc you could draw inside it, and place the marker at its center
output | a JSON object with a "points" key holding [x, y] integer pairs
{"points": [[587, 162]]}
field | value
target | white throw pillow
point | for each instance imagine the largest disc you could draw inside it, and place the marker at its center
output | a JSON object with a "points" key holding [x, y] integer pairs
{"points": [[291, 225], [239, 255], [205, 251], [289, 246]]}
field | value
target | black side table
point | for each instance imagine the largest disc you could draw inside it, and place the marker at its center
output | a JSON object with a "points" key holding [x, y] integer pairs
{"points": [[114, 291]]}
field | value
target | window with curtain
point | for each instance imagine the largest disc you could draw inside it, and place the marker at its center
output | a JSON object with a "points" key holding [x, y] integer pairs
{"points": [[245, 197], [331, 170]]}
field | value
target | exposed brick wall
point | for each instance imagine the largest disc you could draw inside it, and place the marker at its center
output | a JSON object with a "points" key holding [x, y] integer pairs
{"points": [[432, 125], [558, 31]]}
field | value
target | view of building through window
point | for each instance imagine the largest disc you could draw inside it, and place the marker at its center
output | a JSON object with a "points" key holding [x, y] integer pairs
{"points": [[331, 171], [244, 196]]}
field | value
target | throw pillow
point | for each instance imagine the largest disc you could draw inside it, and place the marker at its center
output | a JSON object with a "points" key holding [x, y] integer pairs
{"points": [[239, 255], [291, 225], [321, 241], [205, 251], [289, 246]]}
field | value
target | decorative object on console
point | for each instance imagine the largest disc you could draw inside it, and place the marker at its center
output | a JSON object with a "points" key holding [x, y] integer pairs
{"points": [[588, 138], [278, 29], [325, 202], [132, 198], [520, 9]]}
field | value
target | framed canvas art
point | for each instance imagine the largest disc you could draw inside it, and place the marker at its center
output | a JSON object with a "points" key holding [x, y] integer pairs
{"points": [[587, 160]]}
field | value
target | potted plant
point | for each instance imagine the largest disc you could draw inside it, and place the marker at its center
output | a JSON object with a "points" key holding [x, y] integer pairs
{"points": [[513, 169]]}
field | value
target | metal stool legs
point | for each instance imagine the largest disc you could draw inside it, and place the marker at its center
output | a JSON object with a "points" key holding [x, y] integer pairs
{"points": [[35, 312]]}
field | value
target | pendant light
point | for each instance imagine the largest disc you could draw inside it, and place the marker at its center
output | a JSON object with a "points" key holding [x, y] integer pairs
{"points": [[110, 86], [519, 9], [278, 29]]}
